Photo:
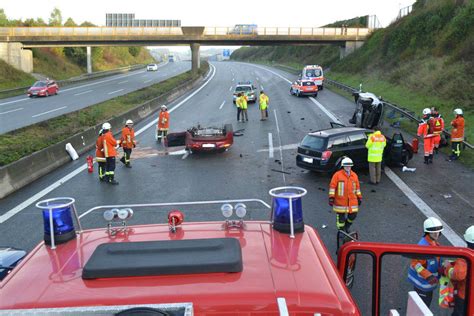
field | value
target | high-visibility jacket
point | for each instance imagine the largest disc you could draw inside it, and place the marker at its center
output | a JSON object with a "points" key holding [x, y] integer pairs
{"points": [[263, 101], [238, 102], [345, 189], [243, 102], [424, 130], [99, 149], [457, 273], [375, 144], [128, 138], [457, 134], [436, 125], [421, 269], [164, 120], [109, 143]]}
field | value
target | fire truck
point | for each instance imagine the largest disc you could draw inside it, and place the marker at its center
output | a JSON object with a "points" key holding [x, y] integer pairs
{"points": [[233, 266]]}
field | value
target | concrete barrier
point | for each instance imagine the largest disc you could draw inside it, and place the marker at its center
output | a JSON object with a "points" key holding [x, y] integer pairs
{"points": [[26, 170]]}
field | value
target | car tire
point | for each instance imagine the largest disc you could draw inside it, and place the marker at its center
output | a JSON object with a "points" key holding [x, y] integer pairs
{"points": [[56, 92], [46, 94], [315, 95], [291, 91], [321, 87], [228, 129]]}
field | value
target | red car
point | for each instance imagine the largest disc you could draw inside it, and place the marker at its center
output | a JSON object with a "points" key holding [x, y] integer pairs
{"points": [[304, 87], [203, 139], [43, 89]]}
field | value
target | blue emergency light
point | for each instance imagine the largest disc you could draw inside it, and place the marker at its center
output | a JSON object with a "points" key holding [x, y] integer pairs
{"points": [[57, 218], [287, 210]]}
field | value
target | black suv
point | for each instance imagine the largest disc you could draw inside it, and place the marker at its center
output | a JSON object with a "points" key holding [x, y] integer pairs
{"points": [[323, 150]]}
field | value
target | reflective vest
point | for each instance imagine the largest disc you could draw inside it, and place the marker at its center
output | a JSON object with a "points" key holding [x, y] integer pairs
{"points": [[436, 125], [457, 273], [345, 189], [109, 144], [163, 120], [128, 138], [243, 102], [99, 149], [420, 270], [263, 101], [424, 130], [457, 134], [238, 102], [375, 144]]}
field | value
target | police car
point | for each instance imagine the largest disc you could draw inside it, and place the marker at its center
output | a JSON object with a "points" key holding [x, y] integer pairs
{"points": [[248, 89]]}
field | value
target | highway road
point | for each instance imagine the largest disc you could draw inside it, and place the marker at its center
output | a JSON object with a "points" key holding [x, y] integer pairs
{"points": [[261, 159], [22, 111]]}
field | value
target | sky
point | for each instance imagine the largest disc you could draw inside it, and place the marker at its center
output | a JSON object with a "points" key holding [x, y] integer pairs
{"points": [[269, 13]]}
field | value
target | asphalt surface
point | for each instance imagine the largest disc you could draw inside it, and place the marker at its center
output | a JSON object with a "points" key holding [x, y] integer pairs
{"points": [[22, 111], [250, 169]]}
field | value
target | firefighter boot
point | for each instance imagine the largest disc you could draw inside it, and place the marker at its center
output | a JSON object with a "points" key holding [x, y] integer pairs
{"points": [[112, 180], [426, 160], [122, 160], [128, 165], [430, 158]]}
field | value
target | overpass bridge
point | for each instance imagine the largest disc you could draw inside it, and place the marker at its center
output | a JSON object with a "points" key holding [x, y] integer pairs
{"points": [[15, 41]]}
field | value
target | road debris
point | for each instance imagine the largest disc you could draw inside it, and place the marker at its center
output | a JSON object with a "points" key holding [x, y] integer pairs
{"points": [[447, 196], [406, 169]]}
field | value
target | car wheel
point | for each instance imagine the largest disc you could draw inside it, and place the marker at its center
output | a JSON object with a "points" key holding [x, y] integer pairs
{"points": [[320, 87], [56, 92], [315, 95], [291, 91], [46, 94]]}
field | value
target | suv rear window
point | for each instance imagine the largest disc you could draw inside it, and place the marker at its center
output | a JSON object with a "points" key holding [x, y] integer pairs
{"points": [[314, 142], [313, 73]]}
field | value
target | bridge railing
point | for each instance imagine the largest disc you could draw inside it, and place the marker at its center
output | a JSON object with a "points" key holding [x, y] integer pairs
{"points": [[289, 31]]}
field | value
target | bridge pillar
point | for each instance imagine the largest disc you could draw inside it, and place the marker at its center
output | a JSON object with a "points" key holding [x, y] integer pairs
{"points": [[196, 63], [15, 55], [349, 47], [89, 61]]}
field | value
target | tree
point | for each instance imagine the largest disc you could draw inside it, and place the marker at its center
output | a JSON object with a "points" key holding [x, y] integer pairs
{"points": [[70, 22], [3, 18], [55, 19], [87, 24], [134, 50]]}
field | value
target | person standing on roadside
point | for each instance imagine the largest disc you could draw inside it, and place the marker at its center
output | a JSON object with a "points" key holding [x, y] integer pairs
{"points": [[457, 134], [244, 106], [425, 132], [163, 124], [436, 123], [99, 155], [263, 104], [238, 105], [127, 141], [110, 151], [375, 144]]}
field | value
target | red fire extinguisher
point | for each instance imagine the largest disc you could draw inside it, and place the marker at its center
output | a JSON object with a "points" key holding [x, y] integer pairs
{"points": [[90, 164], [414, 145]]}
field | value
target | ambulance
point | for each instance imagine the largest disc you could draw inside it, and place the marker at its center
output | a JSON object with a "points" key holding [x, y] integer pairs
{"points": [[314, 73]]}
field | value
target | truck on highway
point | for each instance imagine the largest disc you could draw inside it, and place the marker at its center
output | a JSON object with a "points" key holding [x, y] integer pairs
{"points": [[171, 58], [228, 265]]}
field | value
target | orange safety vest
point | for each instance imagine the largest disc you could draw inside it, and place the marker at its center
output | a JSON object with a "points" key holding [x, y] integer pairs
{"points": [[109, 144], [458, 274], [128, 138], [436, 125], [457, 134], [99, 149], [164, 120], [345, 189], [424, 130]]}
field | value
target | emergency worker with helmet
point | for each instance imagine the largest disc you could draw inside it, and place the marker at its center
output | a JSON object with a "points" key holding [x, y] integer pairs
{"points": [[457, 134], [163, 123], [128, 142], [99, 155], [110, 151], [423, 273], [436, 123], [425, 132], [344, 195]]}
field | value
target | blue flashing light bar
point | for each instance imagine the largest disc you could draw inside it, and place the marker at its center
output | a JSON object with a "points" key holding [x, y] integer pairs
{"points": [[287, 209]]}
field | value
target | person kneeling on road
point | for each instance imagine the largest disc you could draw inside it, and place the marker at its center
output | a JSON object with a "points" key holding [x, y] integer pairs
{"points": [[110, 151]]}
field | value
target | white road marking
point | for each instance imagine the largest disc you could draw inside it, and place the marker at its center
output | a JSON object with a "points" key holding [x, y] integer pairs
{"points": [[54, 110], [270, 145], [125, 81], [322, 108], [448, 232], [146, 81], [102, 81], [233, 79], [223, 102], [84, 92], [284, 147], [83, 167], [145, 75], [230, 88], [15, 101], [115, 91], [18, 109], [261, 87], [281, 152]]}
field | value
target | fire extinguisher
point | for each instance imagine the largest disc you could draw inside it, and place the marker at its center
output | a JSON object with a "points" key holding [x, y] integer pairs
{"points": [[414, 145], [90, 164]]}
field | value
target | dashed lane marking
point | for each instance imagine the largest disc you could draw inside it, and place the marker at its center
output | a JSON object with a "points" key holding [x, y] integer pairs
{"points": [[50, 111], [6, 112], [270, 145], [222, 104], [125, 81], [15, 101], [146, 81], [115, 91], [84, 92]]}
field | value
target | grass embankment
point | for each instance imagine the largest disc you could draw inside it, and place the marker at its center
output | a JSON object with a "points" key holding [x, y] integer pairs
{"points": [[11, 78], [25, 141]]}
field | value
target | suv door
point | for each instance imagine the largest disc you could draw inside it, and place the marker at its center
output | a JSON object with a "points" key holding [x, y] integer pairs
{"points": [[356, 148]]}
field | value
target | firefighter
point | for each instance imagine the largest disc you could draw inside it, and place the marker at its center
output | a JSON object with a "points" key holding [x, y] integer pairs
{"points": [[375, 144], [243, 105], [238, 105], [457, 134], [263, 104], [163, 123], [425, 132], [344, 195], [110, 151], [99, 155], [436, 123], [127, 141], [423, 273], [457, 272]]}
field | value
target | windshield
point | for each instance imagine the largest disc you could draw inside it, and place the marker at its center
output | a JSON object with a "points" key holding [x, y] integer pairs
{"points": [[313, 73], [314, 142], [243, 88], [40, 84]]}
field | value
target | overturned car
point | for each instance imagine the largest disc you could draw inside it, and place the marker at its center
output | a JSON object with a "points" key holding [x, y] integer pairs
{"points": [[203, 139]]}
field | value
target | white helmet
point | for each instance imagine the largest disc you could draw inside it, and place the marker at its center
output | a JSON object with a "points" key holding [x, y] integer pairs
{"points": [[426, 111], [458, 111], [347, 162], [106, 125], [101, 131], [469, 235], [432, 225], [129, 122], [163, 107]]}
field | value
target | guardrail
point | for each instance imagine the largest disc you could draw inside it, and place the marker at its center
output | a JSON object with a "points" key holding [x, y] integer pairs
{"points": [[78, 79]]}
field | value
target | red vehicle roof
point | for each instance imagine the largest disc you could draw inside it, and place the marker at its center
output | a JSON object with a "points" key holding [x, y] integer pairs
{"points": [[274, 265]]}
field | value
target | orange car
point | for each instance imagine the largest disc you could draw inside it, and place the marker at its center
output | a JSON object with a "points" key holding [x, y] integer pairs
{"points": [[304, 87]]}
